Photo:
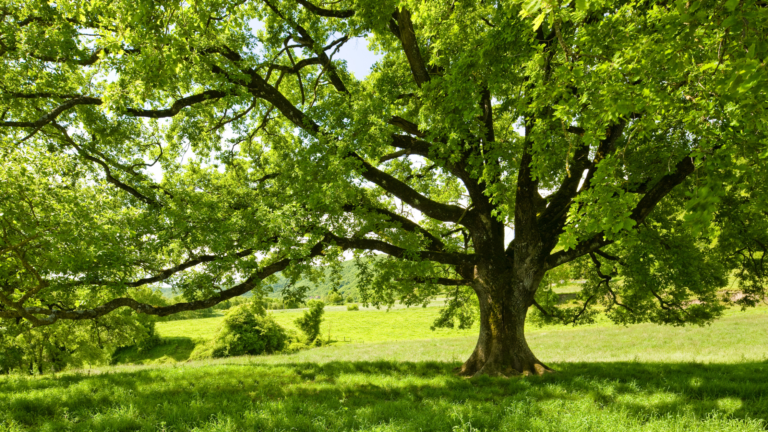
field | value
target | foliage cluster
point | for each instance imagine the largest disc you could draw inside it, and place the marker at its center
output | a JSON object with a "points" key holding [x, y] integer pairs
{"points": [[309, 322], [248, 330], [37, 350]]}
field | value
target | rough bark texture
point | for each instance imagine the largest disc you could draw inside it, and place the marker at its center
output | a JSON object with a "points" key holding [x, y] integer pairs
{"points": [[501, 348]]}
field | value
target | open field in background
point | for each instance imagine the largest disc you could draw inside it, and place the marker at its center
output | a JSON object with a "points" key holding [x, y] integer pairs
{"points": [[610, 378], [190, 339], [735, 337]]}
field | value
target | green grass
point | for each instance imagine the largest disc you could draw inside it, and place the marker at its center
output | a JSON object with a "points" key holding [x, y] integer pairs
{"points": [[391, 396], [190, 339], [610, 378]]}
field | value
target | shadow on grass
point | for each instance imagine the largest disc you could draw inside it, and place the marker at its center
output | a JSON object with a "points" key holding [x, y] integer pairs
{"points": [[393, 396], [175, 349]]}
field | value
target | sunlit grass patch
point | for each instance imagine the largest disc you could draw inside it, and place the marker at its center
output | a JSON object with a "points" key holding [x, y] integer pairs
{"points": [[391, 396]]}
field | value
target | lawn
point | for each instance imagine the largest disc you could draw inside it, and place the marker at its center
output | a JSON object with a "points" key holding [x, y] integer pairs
{"points": [[189, 339], [610, 378]]}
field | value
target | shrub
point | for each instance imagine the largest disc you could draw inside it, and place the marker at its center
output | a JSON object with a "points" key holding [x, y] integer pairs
{"points": [[334, 298], [309, 323], [247, 330], [353, 307]]}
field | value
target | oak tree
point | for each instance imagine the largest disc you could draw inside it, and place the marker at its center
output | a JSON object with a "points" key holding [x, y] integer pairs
{"points": [[209, 144]]}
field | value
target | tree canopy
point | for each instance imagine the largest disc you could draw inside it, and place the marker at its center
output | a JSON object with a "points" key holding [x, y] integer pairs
{"points": [[208, 145]]}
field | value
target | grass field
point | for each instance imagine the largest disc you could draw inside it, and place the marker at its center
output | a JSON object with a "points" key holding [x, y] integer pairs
{"points": [[190, 339], [610, 378]]}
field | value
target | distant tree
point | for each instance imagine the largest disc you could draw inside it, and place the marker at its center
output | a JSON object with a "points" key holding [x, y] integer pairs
{"points": [[334, 297], [294, 296], [309, 322], [209, 146]]}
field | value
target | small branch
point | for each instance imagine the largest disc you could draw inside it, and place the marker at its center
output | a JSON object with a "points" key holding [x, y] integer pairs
{"points": [[394, 155]]}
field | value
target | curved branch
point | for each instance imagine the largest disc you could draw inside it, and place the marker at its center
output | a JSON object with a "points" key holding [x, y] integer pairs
{"points": [[178, 105], [325, 12], [167, 273], [643, 208], [51, 116], [107, 171], [51, 316], [298, 66], [406, 126]]}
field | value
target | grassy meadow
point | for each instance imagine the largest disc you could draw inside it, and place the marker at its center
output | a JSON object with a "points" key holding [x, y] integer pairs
{"points": [[396, 375]]}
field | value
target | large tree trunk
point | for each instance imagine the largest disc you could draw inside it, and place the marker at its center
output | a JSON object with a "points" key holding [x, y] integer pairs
{"points": [[501, 348]]}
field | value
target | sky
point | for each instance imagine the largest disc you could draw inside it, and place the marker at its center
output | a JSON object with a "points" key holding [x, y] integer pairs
{"points": [[359, 59]]}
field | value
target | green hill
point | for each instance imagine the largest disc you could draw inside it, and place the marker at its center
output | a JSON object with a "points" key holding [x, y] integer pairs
{"points": [[346, 283]]}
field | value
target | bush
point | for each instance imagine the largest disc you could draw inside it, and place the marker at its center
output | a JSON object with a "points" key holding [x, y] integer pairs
{"points": [[309, 323], [247, 330], [353, 307], [334, 298]]}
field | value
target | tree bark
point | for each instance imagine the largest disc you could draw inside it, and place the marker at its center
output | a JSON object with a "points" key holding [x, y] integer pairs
{"points": [[501, 348]]}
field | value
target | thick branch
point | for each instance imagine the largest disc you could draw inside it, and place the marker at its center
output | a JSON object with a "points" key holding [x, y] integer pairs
{"points": [[682, 170], [394, 155], [561, 200], [606, 147], [487, 116], [410, 46], [406, 126], [433, 209], [87, 61], [643, 208], [398, 252]]}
